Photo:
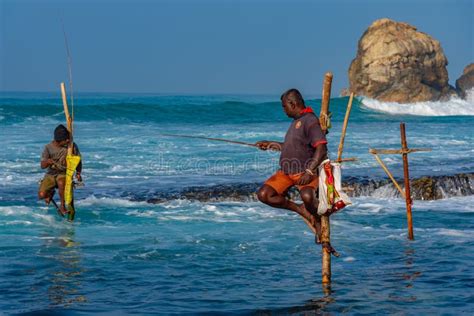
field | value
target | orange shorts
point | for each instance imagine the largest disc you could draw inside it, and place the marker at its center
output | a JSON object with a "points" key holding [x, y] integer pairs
{"points": [[281, 182]]}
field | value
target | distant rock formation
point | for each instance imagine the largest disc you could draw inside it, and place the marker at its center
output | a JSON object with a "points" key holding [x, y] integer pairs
{"points": [[397, 63], [424, 188], [466, 81]]}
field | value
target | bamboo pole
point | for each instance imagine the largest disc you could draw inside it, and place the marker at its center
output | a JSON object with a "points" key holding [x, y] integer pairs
{"points": [[346, 159], [407, 181], [325, 224], [396, 151], [68, 118], [344, 128], [66, 108], [323, 116], [326, 262], [389, 174]]}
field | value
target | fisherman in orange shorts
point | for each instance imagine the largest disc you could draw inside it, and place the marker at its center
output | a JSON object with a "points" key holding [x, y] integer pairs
{"points": [[302, 152]]}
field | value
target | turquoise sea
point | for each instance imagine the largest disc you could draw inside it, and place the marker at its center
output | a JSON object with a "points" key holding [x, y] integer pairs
{"points": [[123, 255]]}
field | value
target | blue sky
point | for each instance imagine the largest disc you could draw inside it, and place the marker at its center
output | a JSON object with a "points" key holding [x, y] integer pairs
{"points": [[201, 47]]}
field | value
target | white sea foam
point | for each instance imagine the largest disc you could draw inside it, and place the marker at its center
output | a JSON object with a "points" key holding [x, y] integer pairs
{"points": [[18, 222], [455, 233], [452, 107], [148, 213], [14, 210], [94, 201]]}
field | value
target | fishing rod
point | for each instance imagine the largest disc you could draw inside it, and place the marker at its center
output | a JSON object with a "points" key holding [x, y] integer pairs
{"points": [[69, 66], [213, 139], [72, 159]]}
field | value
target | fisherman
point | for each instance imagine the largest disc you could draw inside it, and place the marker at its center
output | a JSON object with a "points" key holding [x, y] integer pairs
{"points": [[54, 158], [302, 152]]}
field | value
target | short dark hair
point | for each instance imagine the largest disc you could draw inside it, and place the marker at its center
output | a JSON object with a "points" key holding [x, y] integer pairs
{"points": [[61, 133], [294, 96]]}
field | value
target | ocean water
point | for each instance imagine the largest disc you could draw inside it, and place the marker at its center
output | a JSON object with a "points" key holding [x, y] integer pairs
{"points": [[123, 255]]}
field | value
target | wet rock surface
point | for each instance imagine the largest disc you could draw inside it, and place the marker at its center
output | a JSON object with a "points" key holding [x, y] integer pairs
{"points": [[424, 188]]}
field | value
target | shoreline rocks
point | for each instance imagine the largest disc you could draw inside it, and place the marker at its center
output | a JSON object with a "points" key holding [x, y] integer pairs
{"points": [[424, 188], [466, 81]]}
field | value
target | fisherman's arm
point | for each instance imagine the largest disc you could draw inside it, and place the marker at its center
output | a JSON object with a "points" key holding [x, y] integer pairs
{"points": [[79, 166], [46, 161], [319, 155], [317, 139], [79, 171]]}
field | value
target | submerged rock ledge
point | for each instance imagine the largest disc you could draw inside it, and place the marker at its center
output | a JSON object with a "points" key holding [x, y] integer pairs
{"points": [[424, 188]]}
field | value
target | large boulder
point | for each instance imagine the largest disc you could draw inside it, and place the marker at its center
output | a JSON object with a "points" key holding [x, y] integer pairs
{"points": [[466, 81], [397, 63]]}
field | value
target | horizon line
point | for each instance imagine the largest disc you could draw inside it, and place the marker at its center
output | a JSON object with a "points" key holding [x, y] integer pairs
{"points": [[161, 93]]}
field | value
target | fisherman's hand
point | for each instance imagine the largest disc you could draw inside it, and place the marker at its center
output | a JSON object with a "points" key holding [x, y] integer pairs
{"points": [[263, 144], [274, 146], [267, 145], [50, 162], [78, 176], [305, 179]]}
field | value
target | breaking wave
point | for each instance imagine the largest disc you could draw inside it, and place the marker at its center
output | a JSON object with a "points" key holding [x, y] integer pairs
{"points": [[453, 107]]}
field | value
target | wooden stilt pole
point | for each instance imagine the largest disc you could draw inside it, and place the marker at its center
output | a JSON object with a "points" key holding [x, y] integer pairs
{"points": [[325, 224], [326, 260], [344, 128], [404, 152], [68, 116], [323, 116], [407, 181], [389, 174]]}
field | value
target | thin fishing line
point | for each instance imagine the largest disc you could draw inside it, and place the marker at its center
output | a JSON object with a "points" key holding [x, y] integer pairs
{"points": [[69, 64]]}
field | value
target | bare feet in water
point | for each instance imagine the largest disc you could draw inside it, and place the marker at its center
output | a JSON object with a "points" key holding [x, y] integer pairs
{"points": [[63, 210]]}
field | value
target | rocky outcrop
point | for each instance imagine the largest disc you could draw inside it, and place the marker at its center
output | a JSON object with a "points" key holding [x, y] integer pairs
{"points": [[397, 63], [424, 188], [466, 81]]}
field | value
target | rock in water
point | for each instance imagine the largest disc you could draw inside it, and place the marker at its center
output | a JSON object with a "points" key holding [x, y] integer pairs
{"points": [[424, 188], [397, 63], [466, 81]]}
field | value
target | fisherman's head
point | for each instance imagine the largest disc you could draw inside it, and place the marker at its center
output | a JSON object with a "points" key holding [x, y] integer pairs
{"points": [[61, 135], [292, 103]]}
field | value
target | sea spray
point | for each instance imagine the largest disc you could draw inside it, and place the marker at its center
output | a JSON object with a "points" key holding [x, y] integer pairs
{"points": [[455, 106]]}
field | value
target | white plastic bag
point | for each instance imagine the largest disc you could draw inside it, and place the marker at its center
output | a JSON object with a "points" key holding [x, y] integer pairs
{"points": [[340, 199]]}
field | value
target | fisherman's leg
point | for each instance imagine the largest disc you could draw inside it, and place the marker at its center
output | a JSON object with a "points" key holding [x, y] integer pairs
{"points": [[46, 189], [270, 196], [273, 193], [61, 185], [310, 202]]}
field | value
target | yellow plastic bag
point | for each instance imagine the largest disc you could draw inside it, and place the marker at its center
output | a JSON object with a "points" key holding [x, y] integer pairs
{"points": [[72, 161]]}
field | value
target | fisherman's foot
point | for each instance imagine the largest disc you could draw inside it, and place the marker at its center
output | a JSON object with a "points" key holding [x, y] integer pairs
{"points": [[317, 227], [63, 211]]}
